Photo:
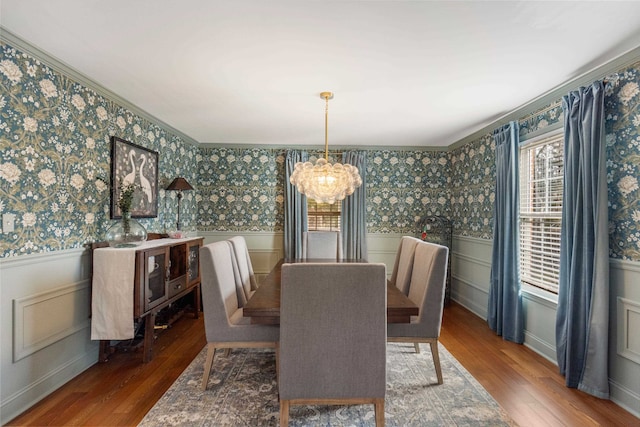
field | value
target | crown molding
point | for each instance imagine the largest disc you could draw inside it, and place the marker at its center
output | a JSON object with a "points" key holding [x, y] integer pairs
{"points": [[56, 64], [624, 60], [332, 148], [612, 66]]}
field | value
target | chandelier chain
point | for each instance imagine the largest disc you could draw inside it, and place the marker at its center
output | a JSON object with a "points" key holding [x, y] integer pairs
{"points": [[326, 127]]}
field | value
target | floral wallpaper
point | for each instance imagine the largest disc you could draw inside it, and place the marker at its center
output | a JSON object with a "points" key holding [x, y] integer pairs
{"points": [[473, 170], [55, 157], [55, 149], [403, 187], [540, 119], [242, 189], [622, 127]]}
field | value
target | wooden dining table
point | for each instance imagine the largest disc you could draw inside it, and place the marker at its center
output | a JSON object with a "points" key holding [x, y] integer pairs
{"points": [[264, 305]]}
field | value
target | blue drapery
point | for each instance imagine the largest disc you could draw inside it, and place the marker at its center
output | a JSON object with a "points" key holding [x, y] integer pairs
{"points": [[504, 311], [295, 207], [582, 324], [353, 216]]}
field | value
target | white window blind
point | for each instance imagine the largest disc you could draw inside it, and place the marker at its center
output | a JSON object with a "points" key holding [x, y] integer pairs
{"points": [[323, 216], [541, 183]]}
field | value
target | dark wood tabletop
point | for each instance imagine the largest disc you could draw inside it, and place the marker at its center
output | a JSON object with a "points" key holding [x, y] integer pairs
{"points": [[264, 305]]}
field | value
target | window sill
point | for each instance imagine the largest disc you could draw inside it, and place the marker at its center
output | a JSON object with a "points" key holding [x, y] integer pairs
{"points": [[540, 295]]}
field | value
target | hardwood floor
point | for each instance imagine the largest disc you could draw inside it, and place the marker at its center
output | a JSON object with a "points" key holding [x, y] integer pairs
{"points": [[528, 387], [525, 384]]}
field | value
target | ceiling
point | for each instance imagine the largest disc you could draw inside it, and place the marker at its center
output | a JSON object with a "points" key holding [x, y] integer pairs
{"points": [[404, 73]]}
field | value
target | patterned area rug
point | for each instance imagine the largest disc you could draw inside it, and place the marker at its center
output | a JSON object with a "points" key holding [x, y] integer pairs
{"points": [[242, 391]]}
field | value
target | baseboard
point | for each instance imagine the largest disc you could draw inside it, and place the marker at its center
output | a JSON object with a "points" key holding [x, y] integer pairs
{"points": [[540, 347], [28, 396], [470, 305], [624, 398], [466, 293]]}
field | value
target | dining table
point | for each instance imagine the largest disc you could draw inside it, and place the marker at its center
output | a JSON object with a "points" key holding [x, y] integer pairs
{"points": [[264, 305]]}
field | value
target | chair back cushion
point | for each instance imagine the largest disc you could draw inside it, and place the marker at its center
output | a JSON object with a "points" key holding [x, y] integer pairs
{"points": [[428, 281], [321, 245], [223, 318], [243, 262], [332, 331], [218, 285], [401, 275]]}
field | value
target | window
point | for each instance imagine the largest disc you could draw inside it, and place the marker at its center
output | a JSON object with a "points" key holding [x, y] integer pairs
{"points": [[541, 181], [323, 216]]}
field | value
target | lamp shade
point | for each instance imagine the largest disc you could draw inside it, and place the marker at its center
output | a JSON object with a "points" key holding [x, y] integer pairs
{"points": [[179, 184]]}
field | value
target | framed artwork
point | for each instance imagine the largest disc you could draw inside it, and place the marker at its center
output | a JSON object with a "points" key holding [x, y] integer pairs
{"points": [[133, 164]]}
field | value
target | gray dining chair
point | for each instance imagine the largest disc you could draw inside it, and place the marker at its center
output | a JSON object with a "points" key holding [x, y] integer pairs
{"points": [[225, 326], [332, 336], [401, 274], [426, 290], [321, 245], [246, 278]]}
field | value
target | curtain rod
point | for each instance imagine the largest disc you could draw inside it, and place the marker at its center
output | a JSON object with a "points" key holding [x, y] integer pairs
{"points": [[559, 102]]}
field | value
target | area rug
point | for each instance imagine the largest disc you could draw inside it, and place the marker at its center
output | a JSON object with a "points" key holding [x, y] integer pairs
{"points": [[242, 391]]}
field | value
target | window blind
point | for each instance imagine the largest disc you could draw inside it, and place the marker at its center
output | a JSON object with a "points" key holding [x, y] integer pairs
{"points": [[541, 188], [323, 216]]}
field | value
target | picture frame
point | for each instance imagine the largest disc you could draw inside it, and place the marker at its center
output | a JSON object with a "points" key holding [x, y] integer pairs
{"points": [[131, 163]]}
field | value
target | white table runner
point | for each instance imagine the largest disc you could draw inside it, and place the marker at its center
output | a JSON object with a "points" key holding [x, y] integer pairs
{"points": [[112, 295]]}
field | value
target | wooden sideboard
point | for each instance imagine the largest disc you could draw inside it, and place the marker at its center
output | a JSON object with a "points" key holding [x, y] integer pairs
{"points": [[165, 271]]}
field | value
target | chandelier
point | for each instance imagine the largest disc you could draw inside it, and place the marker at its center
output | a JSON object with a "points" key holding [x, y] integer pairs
{"points": [[324, 182]]}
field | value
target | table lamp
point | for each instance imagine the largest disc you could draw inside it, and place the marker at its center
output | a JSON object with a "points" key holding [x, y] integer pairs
{"points": [[179, 184]]}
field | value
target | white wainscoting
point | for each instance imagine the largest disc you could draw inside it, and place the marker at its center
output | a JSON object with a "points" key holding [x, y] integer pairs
{"points": [[44, 309], [628, 321], [624, 333], [471, 270], [53, 285], [43, 319], [265, 249]]}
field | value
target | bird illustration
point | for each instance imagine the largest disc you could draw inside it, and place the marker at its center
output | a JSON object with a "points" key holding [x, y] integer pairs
{"points": [[131, 177], [144, 182]]}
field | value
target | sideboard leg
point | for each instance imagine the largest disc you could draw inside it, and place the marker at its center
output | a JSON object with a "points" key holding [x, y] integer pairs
{"points": [[196, 308], [149, 337], [104, 351]]}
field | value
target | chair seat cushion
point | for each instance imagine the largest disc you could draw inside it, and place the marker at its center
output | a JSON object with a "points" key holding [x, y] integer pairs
{"points": [[237, 318]]}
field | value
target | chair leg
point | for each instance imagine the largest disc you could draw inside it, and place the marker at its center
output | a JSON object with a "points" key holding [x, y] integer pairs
{"points": [[227, 352], [379, 412], [211, 352], [278, 362], [284, 413], [436, 360], [417, 347]]}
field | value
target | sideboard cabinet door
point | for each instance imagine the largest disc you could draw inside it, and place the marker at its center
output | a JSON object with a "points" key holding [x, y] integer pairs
{"points": [[194, 263], [156, 264]]}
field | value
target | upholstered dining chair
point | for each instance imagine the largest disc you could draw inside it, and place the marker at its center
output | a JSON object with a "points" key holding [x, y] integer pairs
{"points": [[426, 290], [401, 274], [332, 336], [247, 280], [321, 245], [225, 327]]}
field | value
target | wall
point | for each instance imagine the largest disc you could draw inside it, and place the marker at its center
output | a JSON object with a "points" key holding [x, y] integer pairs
{"points": [[472, 195], [54, 145], [55, 134], [241, 189]]}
